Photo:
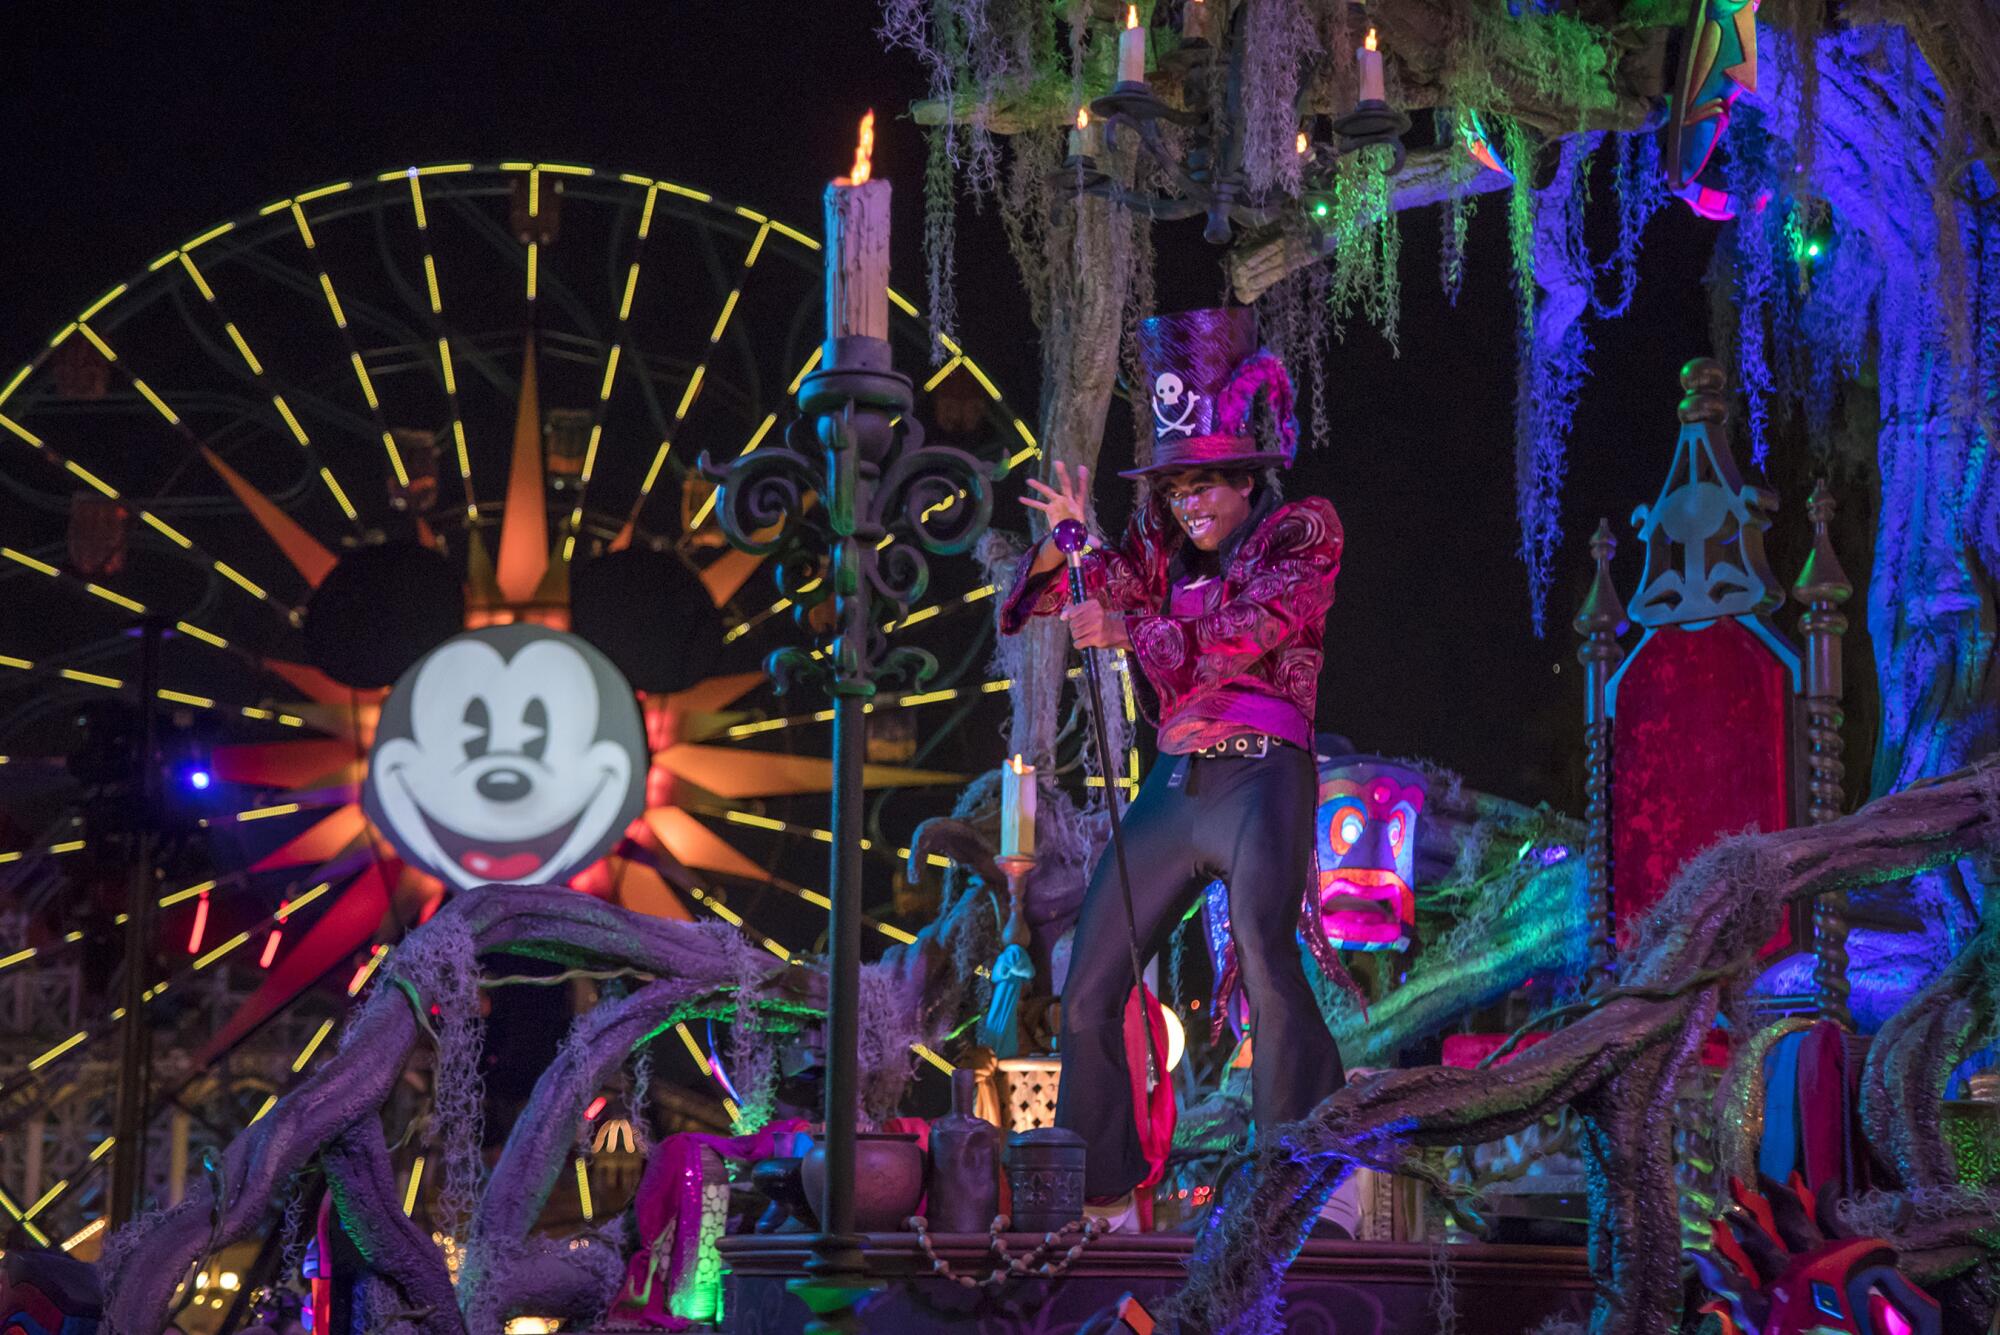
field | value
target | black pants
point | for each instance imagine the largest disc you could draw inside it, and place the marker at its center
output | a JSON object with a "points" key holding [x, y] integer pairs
{"points": [[1249, 822]]}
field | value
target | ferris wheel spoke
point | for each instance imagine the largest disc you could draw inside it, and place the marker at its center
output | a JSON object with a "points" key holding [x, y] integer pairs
{"points": [[306, 555], [54, 457], [101, 681], [610, 374], [287, 417], [692, 391], [447, 369], [355, 358]]}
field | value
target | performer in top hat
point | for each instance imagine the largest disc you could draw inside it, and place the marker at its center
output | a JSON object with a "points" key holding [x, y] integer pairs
{"points": [[1220, 589]]}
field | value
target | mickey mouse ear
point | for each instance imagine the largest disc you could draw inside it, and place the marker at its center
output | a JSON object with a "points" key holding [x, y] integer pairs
{"points": [[379, 610], [650, 615]]}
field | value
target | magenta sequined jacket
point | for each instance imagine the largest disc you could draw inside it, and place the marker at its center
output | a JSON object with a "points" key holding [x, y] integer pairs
{"points": [[1258, 644]]}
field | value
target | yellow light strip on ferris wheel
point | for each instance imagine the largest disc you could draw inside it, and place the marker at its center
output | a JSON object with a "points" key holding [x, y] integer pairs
{"points": [[693, 390], [27, 1225], [742, 628], [708, 502], [257, 367], [312, 1045], [610, 381], [27, 368], [333, 307], [436, 295]]}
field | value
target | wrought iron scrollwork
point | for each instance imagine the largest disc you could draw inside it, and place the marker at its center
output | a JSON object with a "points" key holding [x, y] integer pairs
{"points": [[852, 505]]}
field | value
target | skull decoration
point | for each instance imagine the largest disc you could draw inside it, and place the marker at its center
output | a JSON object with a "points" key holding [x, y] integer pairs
{"points": [[1368, 812], [1174, 406]]}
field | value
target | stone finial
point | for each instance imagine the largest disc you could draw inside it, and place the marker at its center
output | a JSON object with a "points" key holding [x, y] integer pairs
{"points": [[1703, 382]]}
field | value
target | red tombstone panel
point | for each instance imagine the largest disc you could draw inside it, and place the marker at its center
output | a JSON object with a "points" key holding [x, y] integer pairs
{"points": [[1699, 749]]}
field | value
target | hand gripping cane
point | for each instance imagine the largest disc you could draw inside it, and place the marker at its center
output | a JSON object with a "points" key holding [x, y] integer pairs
{"points": [[1069, 538]]}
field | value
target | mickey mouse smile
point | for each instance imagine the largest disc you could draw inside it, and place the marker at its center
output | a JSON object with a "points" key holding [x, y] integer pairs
{"points": [[511, 755], [494, 859]]}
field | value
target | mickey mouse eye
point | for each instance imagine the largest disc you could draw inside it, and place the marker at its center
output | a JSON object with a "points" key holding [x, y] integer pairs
{"points": [[479, 728], [535, 721]]}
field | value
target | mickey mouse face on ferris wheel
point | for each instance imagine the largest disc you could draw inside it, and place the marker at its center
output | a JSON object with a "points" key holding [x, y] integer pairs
{"points": [[508, 755]]}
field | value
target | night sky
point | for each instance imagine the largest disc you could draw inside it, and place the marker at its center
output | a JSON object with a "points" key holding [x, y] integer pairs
{"points": [[131, 127]]}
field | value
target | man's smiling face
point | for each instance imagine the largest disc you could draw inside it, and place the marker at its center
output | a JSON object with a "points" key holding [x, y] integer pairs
{"points": [[1209, 505], [503, 776]]}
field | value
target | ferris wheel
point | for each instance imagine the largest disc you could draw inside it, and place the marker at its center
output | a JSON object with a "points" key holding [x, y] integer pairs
{"points": [[311, 441]]}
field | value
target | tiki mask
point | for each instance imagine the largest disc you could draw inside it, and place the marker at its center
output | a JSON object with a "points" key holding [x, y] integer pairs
{"points": [[1368, 812]]}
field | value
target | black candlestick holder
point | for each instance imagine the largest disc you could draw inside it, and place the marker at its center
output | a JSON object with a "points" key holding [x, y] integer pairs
{"points": [[885, 499], [1374, 123]]}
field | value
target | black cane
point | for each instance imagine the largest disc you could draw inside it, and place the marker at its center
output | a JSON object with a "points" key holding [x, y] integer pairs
{"points": [[1069, 538]]}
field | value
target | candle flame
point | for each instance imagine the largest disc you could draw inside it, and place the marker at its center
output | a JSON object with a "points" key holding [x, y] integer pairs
{"points": [[1369, 40], [1016, 764], [1131, 16], [864, 153], [1083, 118], [1304, 143]]}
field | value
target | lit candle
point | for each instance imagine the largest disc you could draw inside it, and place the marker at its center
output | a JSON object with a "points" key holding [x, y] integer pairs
{"points": [[1194, 21], [1087, 138], [1370, 61], [1132, 49], [1304, 143], [1017, 809], [857, 247]]}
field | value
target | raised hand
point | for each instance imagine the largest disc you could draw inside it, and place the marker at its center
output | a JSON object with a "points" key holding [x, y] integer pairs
{"points": [[1068, 499]]}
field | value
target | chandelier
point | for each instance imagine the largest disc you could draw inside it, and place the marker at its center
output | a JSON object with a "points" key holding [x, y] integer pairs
{"points": [[1204, 174]]}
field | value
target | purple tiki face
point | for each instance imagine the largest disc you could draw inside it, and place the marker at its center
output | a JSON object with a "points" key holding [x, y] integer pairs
{"points": [[1368, 813]]}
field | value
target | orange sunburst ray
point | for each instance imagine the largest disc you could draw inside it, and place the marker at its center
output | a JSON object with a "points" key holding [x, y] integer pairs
{"points": [[733, 772], [335, 935], [316, 685], [311, 560], [327, 838], [640, 888], [287, 764], [693, 844], [524, 527], [728, 573], [716, 693]]}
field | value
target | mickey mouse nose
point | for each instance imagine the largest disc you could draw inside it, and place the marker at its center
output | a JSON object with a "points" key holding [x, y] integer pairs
{"points": [[504, 785]]}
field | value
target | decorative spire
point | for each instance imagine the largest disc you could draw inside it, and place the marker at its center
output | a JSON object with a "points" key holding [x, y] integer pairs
{"points": [[1821, 579], [1602, 610]]}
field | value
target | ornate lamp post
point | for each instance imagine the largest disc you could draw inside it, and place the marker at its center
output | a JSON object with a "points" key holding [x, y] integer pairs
{"points": [[850, 505]]}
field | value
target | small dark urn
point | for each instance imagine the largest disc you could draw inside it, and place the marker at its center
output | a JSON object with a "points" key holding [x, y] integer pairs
{"points": [[779, 1180], [1045, 1175], [965, 1165], [888, 1179]]}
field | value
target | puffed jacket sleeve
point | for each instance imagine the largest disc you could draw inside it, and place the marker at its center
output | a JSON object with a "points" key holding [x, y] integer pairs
{"points": [[1129, 577]]}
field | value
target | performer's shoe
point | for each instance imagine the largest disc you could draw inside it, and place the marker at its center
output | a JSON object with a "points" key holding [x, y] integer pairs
{"points": [[1119, 1215]]}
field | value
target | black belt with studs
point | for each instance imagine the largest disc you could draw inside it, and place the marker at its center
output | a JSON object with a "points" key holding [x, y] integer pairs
{"points": [[1243, 746]]}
